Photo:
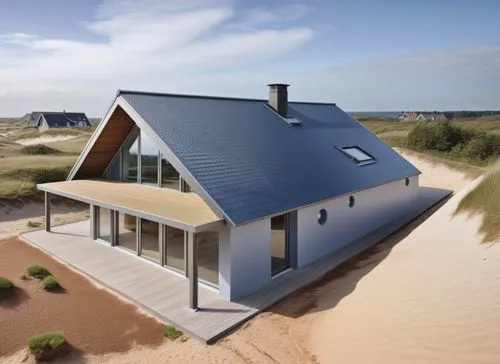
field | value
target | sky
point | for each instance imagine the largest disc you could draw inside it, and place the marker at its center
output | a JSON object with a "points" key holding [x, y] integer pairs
{"points": [[363, 55]]}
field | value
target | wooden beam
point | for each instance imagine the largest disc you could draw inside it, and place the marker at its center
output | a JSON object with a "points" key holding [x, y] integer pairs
{"points": [[47, 211], [193, 271]]}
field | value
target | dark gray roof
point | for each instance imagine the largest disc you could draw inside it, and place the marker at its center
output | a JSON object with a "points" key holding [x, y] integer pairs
{"points": [[61, 119], [253, 164]]}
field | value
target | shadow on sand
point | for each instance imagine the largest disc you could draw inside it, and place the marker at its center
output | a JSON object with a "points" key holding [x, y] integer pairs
{"points": [[13, 298], [307, 299]]}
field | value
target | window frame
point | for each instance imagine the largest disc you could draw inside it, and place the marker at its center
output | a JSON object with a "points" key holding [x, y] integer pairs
{"points": [[359, 162]]}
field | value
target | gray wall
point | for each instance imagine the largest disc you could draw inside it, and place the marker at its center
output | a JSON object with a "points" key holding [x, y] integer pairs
{"points": [[373, 208]]}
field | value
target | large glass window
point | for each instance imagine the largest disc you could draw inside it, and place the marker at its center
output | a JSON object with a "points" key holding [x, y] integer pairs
{"points": [[169, 175], [208, 256], [127, 232], [174, 248], [279, 246], [130, 161], [150, 241], [149, 160], [105, 224]]}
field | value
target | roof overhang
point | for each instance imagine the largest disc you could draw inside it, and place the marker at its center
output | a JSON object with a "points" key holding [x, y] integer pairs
{"points": [[186, 211]]}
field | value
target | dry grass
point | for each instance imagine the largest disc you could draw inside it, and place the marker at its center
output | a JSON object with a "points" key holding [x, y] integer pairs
{"points": [[74, 145], [469, 170], [485, 199], [14, 163], [13, 189]]}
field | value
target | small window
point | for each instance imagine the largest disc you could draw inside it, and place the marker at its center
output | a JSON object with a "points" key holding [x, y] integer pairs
{"points": [[407, 182], [322, 216], [358, 155], [352, 201]]}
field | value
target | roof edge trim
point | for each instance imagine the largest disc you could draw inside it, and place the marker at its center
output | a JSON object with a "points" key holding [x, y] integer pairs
{"points": [[172, 158]]}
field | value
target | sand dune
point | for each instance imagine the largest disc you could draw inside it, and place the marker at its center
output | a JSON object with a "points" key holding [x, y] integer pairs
{"points": [[45, 139], [435, 298]]}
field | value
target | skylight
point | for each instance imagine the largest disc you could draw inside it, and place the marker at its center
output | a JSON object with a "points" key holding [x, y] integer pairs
{"points": [[358, 155]]}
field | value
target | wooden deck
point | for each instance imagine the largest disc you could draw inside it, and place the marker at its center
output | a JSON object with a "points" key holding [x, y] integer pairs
{"points": [[165, 294]]}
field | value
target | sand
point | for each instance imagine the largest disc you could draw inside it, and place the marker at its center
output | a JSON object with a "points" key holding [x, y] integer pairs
{"points": [[429, 293], [46, 139], [93, 320], [15, 219]]}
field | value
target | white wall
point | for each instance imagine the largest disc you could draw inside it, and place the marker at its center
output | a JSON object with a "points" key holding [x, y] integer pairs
{"points": [[244, 258], [373, 208]]}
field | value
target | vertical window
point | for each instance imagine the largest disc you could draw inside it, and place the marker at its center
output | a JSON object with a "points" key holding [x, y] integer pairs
{"points": [[279, 244], [150, 242], [130, 161], [105, 224], [127, 232], [149, 161], [174, 248], [169, 175], [208, 256]]}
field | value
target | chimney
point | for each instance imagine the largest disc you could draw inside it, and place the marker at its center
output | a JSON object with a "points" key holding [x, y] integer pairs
{"points": [[278, 98]]}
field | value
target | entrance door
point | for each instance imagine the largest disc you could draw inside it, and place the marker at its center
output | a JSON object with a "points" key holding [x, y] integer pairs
{"points": [[280, 243]]}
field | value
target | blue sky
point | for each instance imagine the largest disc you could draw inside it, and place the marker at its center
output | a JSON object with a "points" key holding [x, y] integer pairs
{"points": [[361, 54]]}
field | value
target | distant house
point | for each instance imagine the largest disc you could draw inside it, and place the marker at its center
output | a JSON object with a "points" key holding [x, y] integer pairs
{"points": [[44, 120], [421, 116]]}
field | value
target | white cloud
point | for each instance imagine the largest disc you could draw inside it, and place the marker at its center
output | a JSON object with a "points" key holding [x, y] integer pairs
{"points": [[149, 44]]}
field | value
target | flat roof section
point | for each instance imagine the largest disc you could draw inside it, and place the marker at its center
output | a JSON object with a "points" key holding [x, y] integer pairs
{"points": [[182, 210]]}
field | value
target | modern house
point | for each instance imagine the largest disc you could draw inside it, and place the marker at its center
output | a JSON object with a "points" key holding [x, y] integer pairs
{"points": [[422, 116], [44, 120], [230, 192]]}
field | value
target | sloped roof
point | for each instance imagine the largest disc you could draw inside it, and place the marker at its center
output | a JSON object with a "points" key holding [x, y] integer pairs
{"points": [[253, 164], [61, 119]]}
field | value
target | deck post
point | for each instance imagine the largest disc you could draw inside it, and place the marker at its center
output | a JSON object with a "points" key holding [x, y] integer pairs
{"points": [[161, 239], [93, 221], [47, 211], [193, 271], [138, 235]]}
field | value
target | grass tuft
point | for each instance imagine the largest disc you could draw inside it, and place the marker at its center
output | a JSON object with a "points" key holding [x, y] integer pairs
{"points": [[33, 224], [50, 283], [5, 285], [485, 199], [171, 332], [38, 271], [47, 345], [38, 149]]}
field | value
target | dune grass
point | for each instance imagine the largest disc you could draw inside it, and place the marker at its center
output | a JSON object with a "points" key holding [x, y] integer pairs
{"points": [[485, 200]]}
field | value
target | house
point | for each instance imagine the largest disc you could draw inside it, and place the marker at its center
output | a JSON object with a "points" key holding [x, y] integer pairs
{"points": [[432, 116], [421, 116], [230, 192], [44, 120]]}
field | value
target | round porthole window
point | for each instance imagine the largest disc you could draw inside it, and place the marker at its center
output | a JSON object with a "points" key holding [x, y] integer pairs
{"points": [[407, 181], [352, 201], [322, 216]]}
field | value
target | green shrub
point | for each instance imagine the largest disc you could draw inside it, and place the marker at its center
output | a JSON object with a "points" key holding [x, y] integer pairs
{"points": [[38, 149], [171, 332], [441, 136], [482, 147], [38, 271], [47, 345], [50, 283], [5, 285]]}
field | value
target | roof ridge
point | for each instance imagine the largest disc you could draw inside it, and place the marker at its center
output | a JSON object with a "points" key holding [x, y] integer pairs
{"points": [[121, 92]]}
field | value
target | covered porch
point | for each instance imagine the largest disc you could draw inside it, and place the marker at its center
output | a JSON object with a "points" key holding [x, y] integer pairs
{"points": [[165, 227]]}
